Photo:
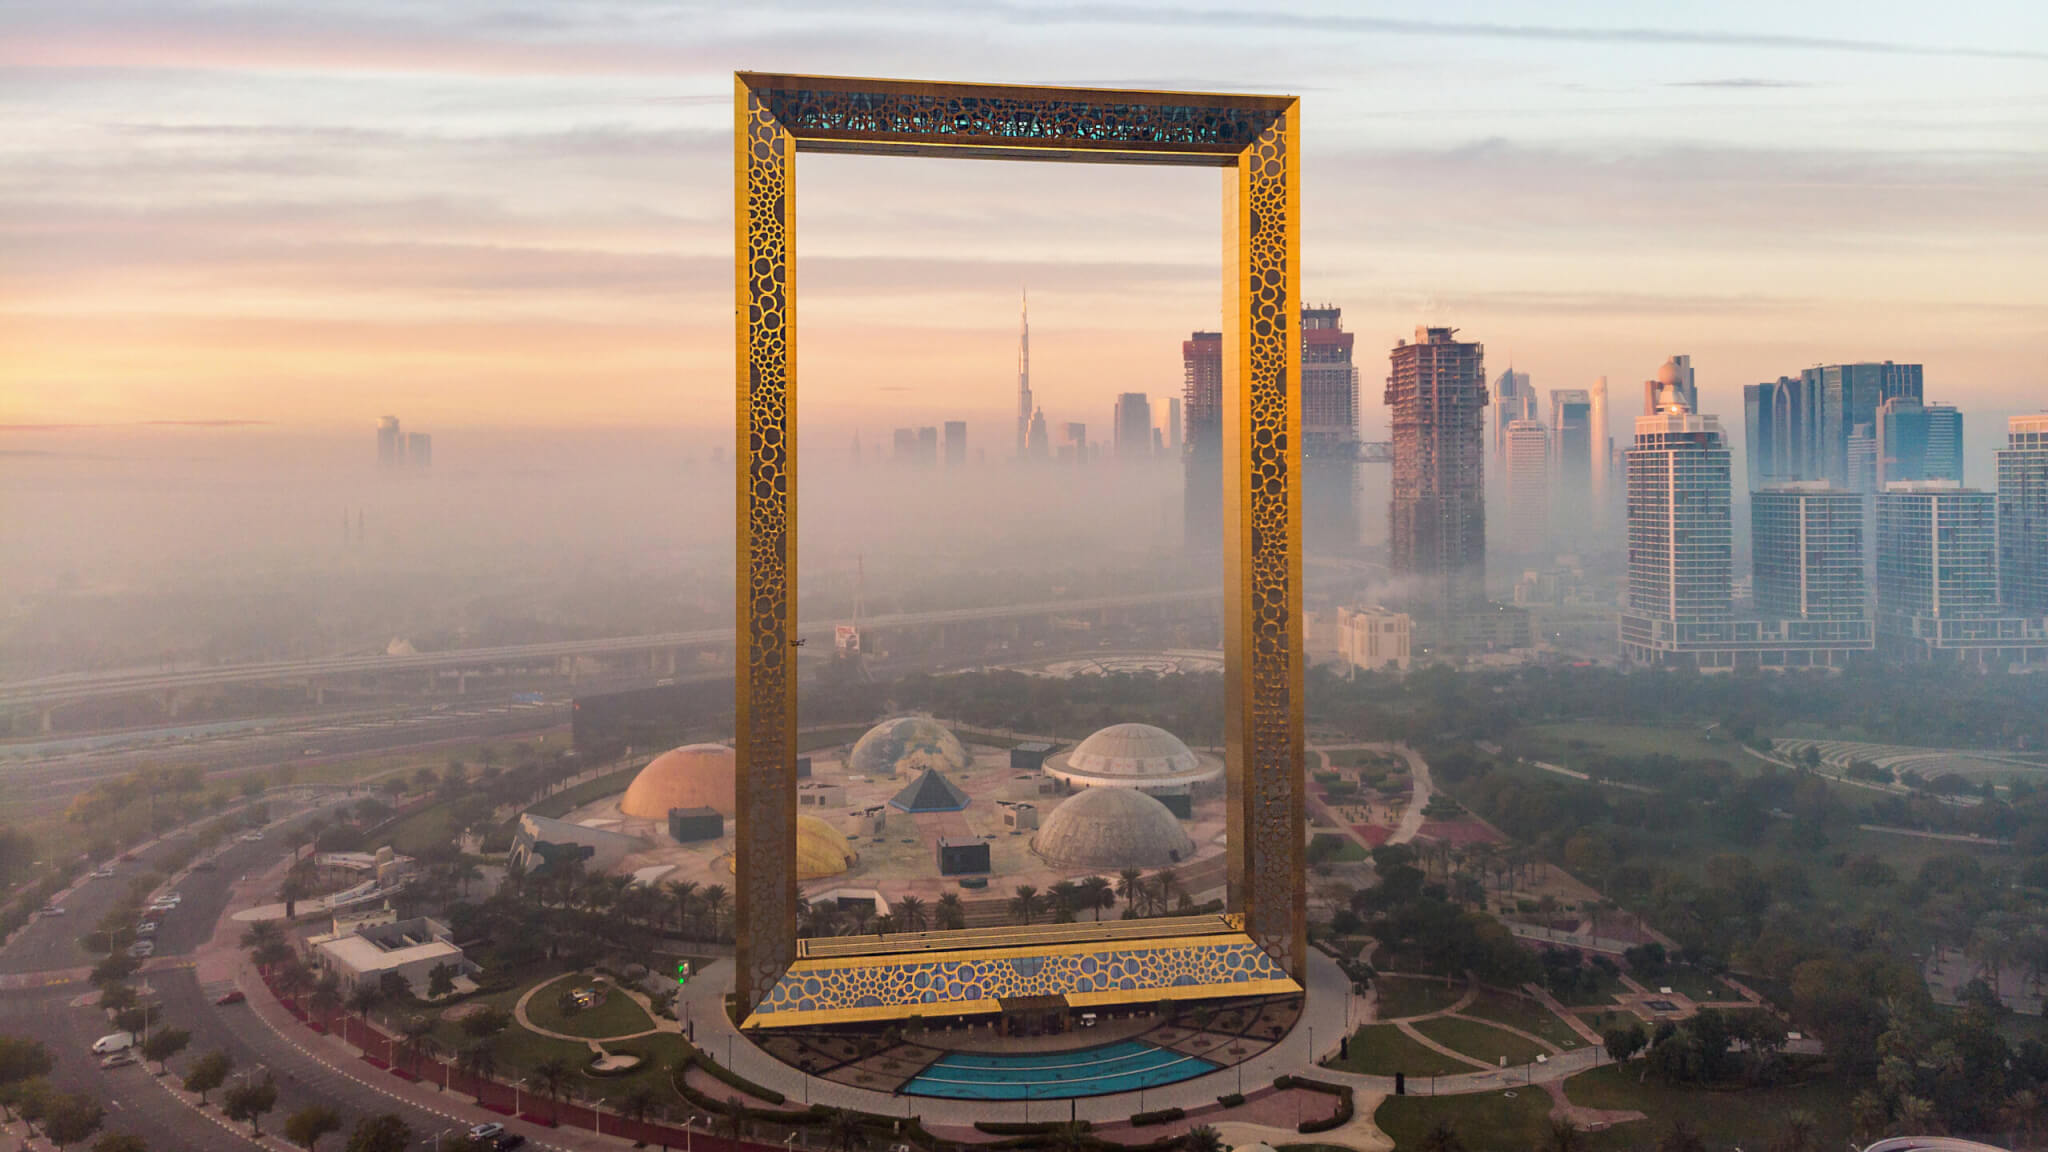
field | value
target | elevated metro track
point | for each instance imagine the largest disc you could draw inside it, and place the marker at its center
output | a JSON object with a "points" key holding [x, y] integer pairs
{"points": [[74, 687]]}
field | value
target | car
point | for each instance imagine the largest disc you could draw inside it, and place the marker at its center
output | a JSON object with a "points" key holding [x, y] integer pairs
{"points": [[103, 871], [146, 928], [142, 949], [489, 1131], [233, 997], [206, 866], [118, 1059], [113, 1042], [53, 909], [507, 1141]]}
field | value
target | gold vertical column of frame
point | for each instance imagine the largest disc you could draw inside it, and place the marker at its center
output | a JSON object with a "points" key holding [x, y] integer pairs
{"points": [[1262, 541], [764, 823]]}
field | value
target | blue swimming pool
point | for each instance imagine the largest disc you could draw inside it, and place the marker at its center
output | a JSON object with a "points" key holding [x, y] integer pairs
{"points": [[1122, 1067]]}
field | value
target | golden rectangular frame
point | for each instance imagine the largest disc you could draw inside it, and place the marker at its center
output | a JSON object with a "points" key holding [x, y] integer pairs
{"points": [[1255, 139]]}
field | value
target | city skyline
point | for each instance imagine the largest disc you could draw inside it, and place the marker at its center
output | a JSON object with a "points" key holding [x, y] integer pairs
{"points": [[343, 213]]}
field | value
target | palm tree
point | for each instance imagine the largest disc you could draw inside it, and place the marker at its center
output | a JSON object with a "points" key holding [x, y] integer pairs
{"points": [[847, 1132], [552, 1073], [480, 1060], [1096, 894], [1024, 905], [884, 924], [416, 1032], [911, 914], [1201, 1138], [1130, 885], [951, 913], [714, 905], [1064, 896], [364, 998]]}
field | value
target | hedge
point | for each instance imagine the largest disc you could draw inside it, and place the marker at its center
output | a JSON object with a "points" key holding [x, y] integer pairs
{"points": [[1157, 1116], [1231, 1100]]}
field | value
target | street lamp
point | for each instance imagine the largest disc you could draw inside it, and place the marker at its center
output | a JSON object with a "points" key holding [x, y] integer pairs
{"points": [[690, 1133]]}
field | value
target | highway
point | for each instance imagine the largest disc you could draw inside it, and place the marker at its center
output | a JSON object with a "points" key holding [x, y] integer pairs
{"points": [[86, 685]]}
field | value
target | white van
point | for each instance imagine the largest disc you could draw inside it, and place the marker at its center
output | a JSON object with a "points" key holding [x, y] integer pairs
{"points": [[114, 1042]]}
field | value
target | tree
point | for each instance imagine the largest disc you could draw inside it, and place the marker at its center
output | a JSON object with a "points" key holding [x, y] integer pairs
{"points": [[440, 981], [23, 1058], [910, 914], [386, 1133], [1130, 885], [1563, 1136], [952, 914], [306, 1126], [363, 999], [1623, 1043], [69, 1117], [116, 1140], [1797, 1135], [847, 1132], [208, 1072], [1443, 1138], [714, 898], [1202, 1138], [164, 1044], [1024, 905], [417, 1033], [247, 1101], [1681, 1137], [552, 1073]]}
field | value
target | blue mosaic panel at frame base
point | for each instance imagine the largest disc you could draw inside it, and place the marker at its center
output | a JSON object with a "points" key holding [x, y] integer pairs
{"points": [[969, 980]]}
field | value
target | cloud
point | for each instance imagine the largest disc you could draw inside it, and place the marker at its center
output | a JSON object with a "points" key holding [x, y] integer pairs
{"points": [[1739, 82], [205, 423]]}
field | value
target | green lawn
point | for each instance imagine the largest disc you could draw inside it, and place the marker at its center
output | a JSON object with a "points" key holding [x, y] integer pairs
{"points": [[1750, 1118], [1601, 996], [1694, 983], [1364, 758], [1686, 741], [1402, 997], [1479, 1040], [1345, 850], [1383, 1049], [619, 1015], [1524, 1013], [1514, 1118]]}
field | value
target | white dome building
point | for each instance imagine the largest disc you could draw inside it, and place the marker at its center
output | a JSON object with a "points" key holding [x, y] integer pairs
{"points": [[907, 746], [1112, 829], [1136, 756]]}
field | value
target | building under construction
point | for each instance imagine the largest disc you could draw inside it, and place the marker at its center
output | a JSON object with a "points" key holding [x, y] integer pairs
{"points": [[1436, 397]]}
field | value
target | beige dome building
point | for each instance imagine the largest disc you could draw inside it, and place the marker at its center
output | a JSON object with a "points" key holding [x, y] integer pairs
{"points": [[821, 850], [693, 776], [1112, 829], [1134, 756]]}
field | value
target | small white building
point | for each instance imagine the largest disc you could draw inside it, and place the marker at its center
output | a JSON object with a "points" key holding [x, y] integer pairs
{"points": [[362, 951]]}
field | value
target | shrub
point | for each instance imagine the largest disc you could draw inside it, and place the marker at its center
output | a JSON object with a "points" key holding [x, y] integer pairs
{"points": [[1157, 1116]]}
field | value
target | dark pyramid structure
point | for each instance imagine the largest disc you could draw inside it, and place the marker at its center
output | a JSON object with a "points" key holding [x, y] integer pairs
{"points": [[931, 792]]}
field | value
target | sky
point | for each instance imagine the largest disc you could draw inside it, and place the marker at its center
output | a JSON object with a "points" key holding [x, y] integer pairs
{"points": [[491, 213]]}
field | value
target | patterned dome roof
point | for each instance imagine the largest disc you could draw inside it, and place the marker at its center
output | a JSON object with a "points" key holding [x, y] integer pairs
{"points": [[693, 776], [1112, 828], [821, 850], [1133, 756], [905, 746]]}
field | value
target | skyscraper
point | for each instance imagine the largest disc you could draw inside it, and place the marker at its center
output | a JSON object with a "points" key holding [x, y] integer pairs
{"points": [[1782, 430], [1917, 441], [1807, 543], [1173, 431], [1528, 488], [927, 447], [1024, 405], [390, 443], [1202, 455], [1849, 396], [1571, 436], [1514, 398], [1073, 445], [1937, 555], [956, 443], [1329, 433], [2023, 515], [1436, 394], [1037, 444], [1681, 552], [1603, 457], [1132, 435], [419, 449], [904, 450]]}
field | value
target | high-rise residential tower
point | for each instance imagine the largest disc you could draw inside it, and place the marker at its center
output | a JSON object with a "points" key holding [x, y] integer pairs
{"points": [[1514, 398], [419, 449], [1202, 453], [1528, 488], [1681, 555], [1603, 456], [1571, 455], [1436, 396], [2023, 515], [1131, 436], [1676, 379], [956, 443], [1937, 558], [1807, 543], [1917, 441], [1329, 433], [1173, 430]]}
